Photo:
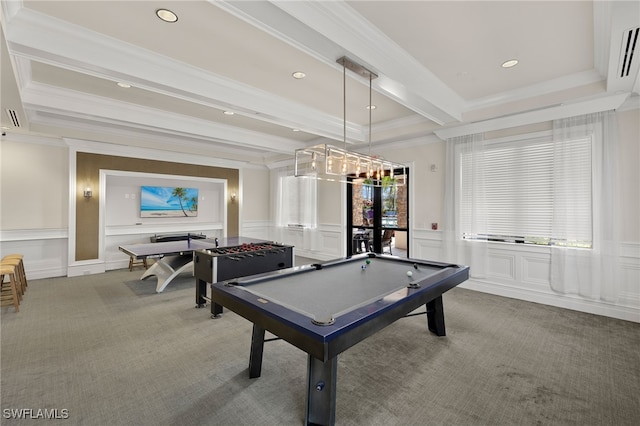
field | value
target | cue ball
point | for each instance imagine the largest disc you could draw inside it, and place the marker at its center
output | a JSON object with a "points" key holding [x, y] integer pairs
{"points": [[409, 273]]}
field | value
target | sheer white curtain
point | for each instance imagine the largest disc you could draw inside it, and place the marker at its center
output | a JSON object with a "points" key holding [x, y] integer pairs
{"points": [[295, 201], [472, 253], [591, 273], [277, 202]]}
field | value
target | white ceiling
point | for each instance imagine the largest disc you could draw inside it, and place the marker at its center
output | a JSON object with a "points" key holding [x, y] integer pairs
{"points": [[438, 66]]}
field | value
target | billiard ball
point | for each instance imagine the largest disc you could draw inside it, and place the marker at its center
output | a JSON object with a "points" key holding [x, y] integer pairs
{"points": [[409, 273], [368, 261]]}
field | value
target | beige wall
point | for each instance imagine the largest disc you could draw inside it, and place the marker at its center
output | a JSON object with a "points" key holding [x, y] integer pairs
{"points": [[427, 198], [34, 186], [330, 202], [256, 195], [629, 174]]}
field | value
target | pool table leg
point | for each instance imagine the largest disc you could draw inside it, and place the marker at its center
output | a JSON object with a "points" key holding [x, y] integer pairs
{"points": [[216, 310], [321, 391], [435, 316], [257, 347]]}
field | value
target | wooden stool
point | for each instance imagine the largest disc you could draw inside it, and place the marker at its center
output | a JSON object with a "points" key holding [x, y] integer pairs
{"points": [[9, 290], [133, 262], [21, 275]]}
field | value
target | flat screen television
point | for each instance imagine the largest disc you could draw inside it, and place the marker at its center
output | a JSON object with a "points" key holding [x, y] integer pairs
{"points": [[168, 201]]}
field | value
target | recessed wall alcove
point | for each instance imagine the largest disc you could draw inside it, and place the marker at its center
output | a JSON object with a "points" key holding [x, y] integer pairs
{"points": [[107, 176], [121, 221]]}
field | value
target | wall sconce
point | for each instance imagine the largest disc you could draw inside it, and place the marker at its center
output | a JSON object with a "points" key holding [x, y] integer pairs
{"points": [[88, 193], [233, 197]]}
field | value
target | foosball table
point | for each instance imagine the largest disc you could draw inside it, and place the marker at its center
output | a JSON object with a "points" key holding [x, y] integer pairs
{"points": [[219, 264]]}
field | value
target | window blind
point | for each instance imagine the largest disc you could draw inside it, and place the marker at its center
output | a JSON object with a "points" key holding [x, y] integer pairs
{"points": [[521, 190]]}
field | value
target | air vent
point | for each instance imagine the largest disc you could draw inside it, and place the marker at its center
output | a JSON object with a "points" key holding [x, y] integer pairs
{"points": [[629, 41], [13, 116]]}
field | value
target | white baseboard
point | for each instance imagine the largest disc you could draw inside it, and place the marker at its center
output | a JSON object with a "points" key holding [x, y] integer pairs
{"points": [[47, 273], [627, 313], [88, 267]]}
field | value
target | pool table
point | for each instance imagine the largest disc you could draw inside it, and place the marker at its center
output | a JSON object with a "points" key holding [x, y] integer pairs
{"points": [[324, 309]]}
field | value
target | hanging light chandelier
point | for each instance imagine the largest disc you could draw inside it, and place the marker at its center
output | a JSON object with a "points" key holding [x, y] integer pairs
{"points": [[329, 162]]}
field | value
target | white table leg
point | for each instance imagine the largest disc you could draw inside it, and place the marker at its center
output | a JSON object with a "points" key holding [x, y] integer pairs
{"points": [[167, 268]]}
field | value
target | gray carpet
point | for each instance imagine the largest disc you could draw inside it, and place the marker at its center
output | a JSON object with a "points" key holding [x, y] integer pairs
{"points": [[110, 351]]}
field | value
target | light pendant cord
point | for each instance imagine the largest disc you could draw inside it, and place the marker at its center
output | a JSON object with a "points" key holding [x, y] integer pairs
{"points": [[344, 104], [370, 108]]}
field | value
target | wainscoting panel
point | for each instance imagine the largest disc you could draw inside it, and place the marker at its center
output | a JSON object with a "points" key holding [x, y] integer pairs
{"points": [[331, 243], [536, 270], [44, 250], [426, 244], [502, 266], [516, 271], [294, 236], [260, 229], [522, 272], [630, 282], [326, 242]]}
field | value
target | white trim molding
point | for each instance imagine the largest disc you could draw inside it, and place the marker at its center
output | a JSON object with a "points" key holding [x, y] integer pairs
{"points": [[522, 272], [33, 234]]}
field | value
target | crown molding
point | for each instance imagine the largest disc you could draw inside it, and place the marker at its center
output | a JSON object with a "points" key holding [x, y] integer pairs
{"points": [[29, 137], [588, 106], [104, 111], [162, 141], [632, 102], [9, 10], [79, 145], [547, 87], [289, 162], [38, 37]]}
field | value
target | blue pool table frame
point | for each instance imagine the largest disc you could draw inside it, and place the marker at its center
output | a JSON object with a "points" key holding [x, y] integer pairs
{"points": [[323, 343]]}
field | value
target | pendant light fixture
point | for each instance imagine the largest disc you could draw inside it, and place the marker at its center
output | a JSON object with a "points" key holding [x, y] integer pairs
{"points": [[329, 162]]}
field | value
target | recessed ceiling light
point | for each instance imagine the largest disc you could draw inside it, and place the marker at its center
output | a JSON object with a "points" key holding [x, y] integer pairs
{"points": [[124, 85], [166, 15], [371, 107], [298, 75], [510, 63], [228, 112]]}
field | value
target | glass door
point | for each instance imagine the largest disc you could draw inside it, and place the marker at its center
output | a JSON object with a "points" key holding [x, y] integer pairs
{"points": [[378, 215]]}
